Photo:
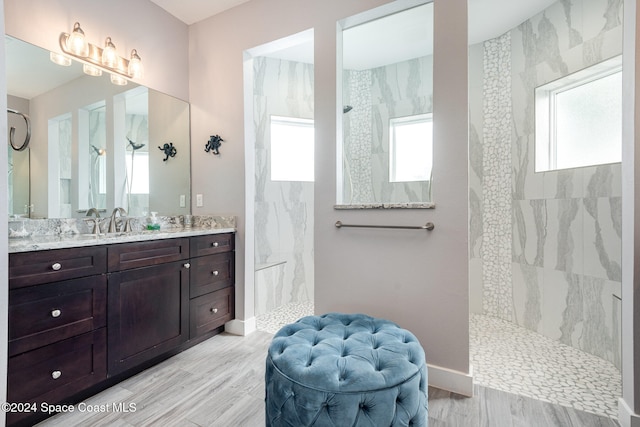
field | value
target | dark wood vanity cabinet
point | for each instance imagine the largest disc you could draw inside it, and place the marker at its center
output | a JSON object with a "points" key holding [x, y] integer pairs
{"points": [[57, 327], [148, 305], [79, 316]]}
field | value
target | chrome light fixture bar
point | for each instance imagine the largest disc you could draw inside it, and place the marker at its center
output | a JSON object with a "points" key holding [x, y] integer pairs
{"points": [[95, 57]]}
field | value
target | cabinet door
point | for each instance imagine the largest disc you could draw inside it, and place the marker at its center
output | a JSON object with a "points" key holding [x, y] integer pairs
{"points": [[147, 315]]}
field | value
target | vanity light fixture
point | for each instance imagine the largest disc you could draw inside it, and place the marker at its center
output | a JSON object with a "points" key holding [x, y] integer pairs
{"points": [[97, 59], [109, 55], [91, 70], [136, 70], [118, 80], [60, 59], [76, 43]]}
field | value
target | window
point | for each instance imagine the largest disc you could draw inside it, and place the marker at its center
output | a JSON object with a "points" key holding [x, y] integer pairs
{"points": [[138, 172], [411, 148], [579, 119], [292, 145]]}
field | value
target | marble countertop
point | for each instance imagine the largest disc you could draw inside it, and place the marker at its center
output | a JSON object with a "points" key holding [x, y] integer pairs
{"points": [[47, 242]]}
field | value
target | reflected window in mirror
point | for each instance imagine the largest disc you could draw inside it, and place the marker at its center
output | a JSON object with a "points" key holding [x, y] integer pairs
{"points": [[385, 156], [411, 152]]}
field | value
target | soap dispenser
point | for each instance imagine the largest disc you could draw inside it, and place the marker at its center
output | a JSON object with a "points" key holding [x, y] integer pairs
{"points": [[153, 222]]}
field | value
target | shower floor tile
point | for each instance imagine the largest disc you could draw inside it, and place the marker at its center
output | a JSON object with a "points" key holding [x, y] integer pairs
{"points": [[289, 313], [513, 359]]}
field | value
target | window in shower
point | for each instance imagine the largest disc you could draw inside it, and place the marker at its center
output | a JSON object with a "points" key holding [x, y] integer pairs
{"points": [[579, 119], [411, 148], [292, 145]]}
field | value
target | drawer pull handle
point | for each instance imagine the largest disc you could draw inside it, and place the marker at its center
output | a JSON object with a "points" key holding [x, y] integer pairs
{"points": [[57, 266], [56, 374], [56, 313], [187, 265], [215, 244], [215, 272], [214, 310]]}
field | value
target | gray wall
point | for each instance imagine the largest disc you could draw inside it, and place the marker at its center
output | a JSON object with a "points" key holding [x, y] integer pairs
{"points": [[414, 278], [546, 245]]}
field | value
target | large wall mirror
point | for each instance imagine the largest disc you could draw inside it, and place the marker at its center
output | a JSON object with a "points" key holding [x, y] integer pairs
{"points": [[93, 144], [385, 156]]}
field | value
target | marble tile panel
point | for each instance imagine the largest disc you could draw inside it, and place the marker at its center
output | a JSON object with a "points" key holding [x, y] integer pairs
{"points": [[600, 16], [556, 290], [564, 184], [603, 237], [564, 248], [269, 282], [600, 319], [530, 231], [528, 294]]}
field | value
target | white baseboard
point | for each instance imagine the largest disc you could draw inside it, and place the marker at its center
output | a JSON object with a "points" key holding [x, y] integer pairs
{"points": [[240, 327], [453, 381], [626, 417]]}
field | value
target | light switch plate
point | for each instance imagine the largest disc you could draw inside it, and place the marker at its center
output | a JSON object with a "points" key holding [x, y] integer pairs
{"points": [[199, 202], [183, 201]]}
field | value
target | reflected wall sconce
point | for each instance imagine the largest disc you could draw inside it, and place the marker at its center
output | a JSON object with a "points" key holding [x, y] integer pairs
{"points": [[96, 59]]}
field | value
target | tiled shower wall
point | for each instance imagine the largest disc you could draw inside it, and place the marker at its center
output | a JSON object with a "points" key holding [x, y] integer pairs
{"points": [[283, 209], [547, 246], [377, 95]]}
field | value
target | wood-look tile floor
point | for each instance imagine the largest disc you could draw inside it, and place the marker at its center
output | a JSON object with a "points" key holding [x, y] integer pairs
{"points": [[221, 383]]}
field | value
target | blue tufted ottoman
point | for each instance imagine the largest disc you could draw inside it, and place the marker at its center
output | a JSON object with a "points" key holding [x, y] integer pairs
{"points": [[345, 370]]}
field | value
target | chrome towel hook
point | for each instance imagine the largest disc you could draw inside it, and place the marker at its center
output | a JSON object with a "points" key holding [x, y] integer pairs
{"points": [[12, 131]]}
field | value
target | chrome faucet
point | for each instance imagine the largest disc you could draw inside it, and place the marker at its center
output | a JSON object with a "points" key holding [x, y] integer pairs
{"points": [[96, 220], [112, 224], [93, 211]]}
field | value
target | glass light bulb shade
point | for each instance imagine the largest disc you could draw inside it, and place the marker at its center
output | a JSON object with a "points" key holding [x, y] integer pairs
{"points": [[59, 59], [118, 80], [76, 43], [91, 70], [109, 55], [135, 69]]}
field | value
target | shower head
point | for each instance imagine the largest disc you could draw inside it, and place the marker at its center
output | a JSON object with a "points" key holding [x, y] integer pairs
{"points": [[134, 146], [346, 109]]}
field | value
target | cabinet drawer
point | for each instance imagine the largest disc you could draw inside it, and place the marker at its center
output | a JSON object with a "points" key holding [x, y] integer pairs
{"points": [[52, 373], [211, 273], [211, 311], [212, 244], [41, 315], [35, 268], [143, 254]]}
